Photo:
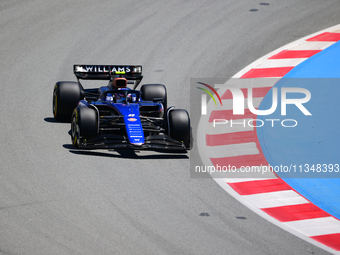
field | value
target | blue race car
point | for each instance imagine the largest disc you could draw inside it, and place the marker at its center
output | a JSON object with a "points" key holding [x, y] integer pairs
{"points": [[116, 116]]}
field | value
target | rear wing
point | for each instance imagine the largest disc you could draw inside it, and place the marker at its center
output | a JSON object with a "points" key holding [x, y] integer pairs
{"points": [[105, 72]]}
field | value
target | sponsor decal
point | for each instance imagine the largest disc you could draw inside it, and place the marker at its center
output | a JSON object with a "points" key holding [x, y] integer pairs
{"points": [[132, 119]]}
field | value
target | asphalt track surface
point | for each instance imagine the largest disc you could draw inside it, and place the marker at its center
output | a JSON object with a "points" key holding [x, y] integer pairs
{"points": [[55, 199]]}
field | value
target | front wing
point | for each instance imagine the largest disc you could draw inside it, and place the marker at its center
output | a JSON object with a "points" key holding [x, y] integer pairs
{"points": [[110, 141]]}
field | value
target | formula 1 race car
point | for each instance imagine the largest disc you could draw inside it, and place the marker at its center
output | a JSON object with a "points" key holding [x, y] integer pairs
{"points": [[116, 116]]}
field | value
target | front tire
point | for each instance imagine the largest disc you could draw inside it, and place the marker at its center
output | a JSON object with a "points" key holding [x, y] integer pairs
{"points": [[84, 125], [179, 126]]}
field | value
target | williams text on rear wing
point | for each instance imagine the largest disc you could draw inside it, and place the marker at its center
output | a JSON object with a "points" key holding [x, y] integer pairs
{"points": [[104, 72]]}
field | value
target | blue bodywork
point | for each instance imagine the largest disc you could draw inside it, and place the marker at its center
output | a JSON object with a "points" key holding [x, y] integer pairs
{"points": [[132, 121], [128, 110]]}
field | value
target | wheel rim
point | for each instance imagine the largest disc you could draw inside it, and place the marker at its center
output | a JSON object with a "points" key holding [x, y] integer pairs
{"points": [[75, 132]]}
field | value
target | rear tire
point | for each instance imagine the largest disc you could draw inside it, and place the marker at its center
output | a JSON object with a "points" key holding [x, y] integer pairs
{"points": [[152, 91], [66, 96], [84, 125], [179, 126]]}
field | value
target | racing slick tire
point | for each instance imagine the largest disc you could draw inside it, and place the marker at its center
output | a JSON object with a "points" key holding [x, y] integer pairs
{"points": [[154, 91], [179, 126], [66, 95], [84, 125]]}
